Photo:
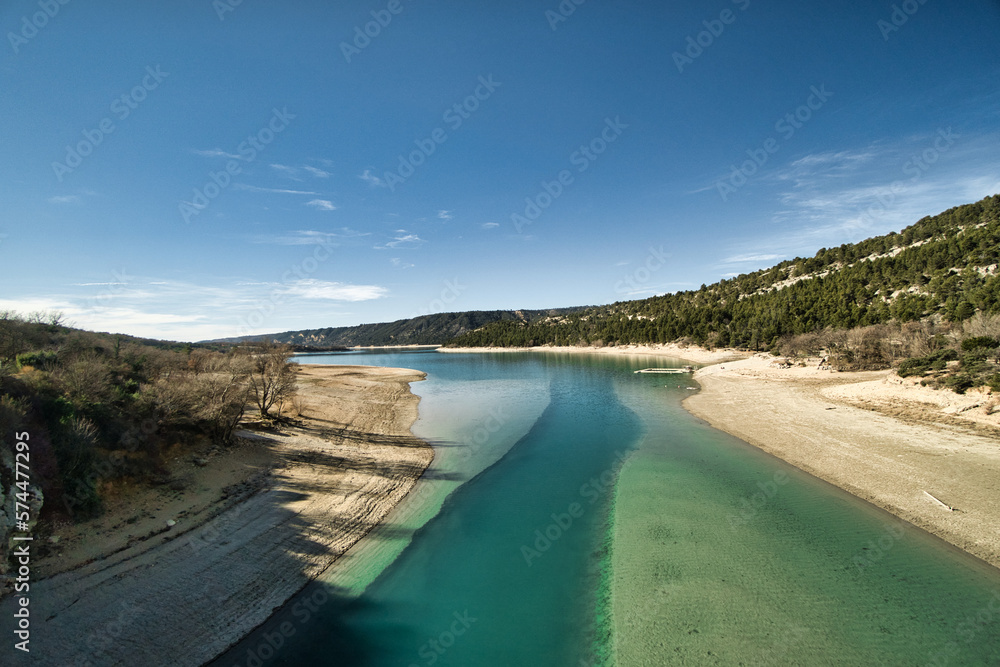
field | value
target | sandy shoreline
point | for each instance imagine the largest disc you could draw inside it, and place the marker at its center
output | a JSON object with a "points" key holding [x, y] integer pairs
{"points": [[308, 493], [883, 440]]}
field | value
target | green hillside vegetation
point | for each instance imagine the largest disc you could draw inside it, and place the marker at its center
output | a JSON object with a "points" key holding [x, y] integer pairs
{"points": [[434, 329], [942, 266], [869, 304]]}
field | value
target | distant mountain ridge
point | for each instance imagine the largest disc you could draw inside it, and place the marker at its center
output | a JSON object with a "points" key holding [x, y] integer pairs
{"points": [[434, 329]]}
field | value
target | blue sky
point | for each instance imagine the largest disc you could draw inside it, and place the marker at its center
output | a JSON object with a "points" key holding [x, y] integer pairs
{"points": [[558, 157]]}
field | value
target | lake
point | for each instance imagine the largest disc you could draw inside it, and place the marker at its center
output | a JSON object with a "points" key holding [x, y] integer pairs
{"points": [[576, 514]]}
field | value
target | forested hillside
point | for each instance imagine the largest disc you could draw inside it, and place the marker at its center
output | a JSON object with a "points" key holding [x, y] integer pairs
{"points": [[945, 266], [424, 330]]}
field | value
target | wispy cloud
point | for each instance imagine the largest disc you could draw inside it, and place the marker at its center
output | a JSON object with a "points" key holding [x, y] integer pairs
{"points": [[369, 177], [490, 225], [291, 172], [180, 310], [400, 264], [322, 205], [830, 198], [742, 259], [294, 172], [444, 215], [311, 237], [318, 173], [216, 152], [280, 191], [333, 291], [403, 241], [64, 199]]}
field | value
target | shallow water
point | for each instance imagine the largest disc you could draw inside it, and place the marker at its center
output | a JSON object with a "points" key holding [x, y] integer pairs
{"points": [[721, 554]]}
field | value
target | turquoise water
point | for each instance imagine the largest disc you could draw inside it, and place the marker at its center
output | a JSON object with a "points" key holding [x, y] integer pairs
{"points": [[498, 559]]}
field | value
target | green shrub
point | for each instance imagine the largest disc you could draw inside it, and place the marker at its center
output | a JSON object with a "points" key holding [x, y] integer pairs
{"points": [[910, 367], [959, 382], [40, 360], [979, 342], [935, 361]]}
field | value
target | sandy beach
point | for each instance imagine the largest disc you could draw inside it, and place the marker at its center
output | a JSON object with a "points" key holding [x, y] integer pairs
{"points": [[250, 527], [881, 438]]}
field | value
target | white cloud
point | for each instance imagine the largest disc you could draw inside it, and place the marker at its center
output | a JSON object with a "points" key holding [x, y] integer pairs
{"points": [[830, 198], [444, 215], [175, 310], [490, 225], [400, 264], [291, 172], [114, 284], [318, 173], [333, 291], [280, 191], [64, 199], [322, 205], [741, 259], [370, 178], [216, 152], [402, 242], [311, 237]]}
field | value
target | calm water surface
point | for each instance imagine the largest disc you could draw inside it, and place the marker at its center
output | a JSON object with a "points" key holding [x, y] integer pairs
{"points": [[721, 554]]}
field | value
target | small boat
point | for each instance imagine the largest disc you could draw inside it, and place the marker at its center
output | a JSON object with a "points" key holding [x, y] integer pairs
{"points": [[686, 369]]}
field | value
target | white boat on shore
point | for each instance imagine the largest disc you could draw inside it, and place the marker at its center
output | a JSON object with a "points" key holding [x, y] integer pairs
{"points": [[671, 371]]}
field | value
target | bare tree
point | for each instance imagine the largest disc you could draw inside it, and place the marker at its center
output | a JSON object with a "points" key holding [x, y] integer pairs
{"points": [[271, 376], [224, 390], [982, 325]]}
